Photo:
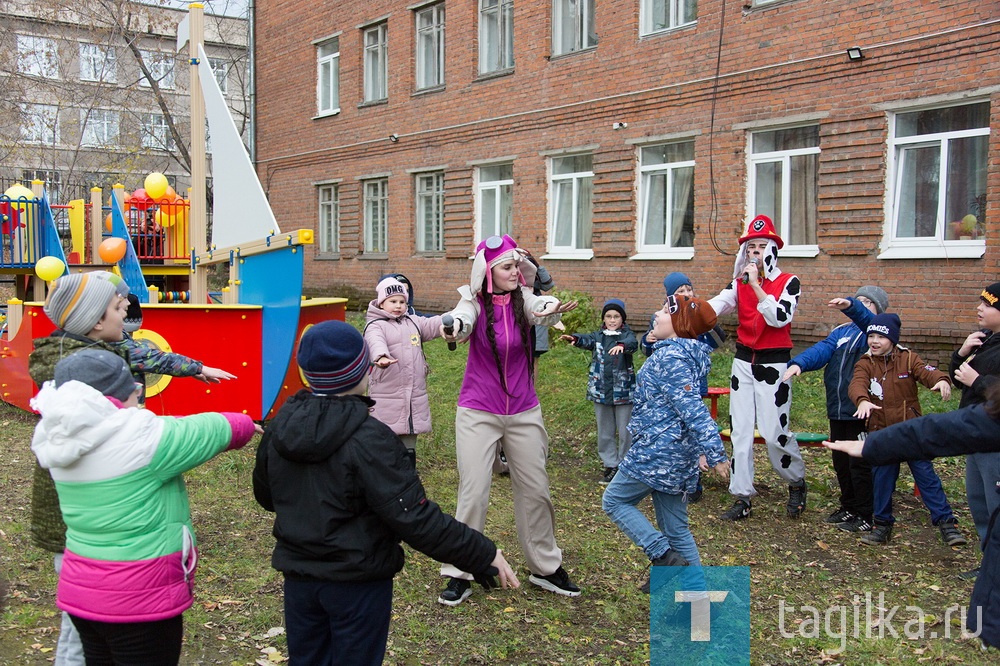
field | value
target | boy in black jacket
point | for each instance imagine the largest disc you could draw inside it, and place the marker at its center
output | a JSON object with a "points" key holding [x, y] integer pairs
{"points": [[345, 494]]}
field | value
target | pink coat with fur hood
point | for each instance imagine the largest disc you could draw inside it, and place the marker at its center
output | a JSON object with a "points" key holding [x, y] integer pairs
{"points": [[400, 390]]}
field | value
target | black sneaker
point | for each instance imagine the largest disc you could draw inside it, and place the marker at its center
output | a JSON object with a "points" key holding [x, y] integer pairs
{"points": [[969, 575], [839, 516], [738, 511], [557, 582], [458, 590], [855, 524], [695, 497], [669, 559], [879, 535], [950, 535], [609, 473], [796, 500]]}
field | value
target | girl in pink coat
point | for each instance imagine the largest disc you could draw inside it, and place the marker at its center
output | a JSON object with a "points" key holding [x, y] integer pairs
{"points": [[398, 383]]}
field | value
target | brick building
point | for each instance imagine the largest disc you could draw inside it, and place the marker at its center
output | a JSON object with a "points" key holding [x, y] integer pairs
{"points": [[619, 141]]}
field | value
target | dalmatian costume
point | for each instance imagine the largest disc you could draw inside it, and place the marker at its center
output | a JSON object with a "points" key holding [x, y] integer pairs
{"points": [[758, 396]]}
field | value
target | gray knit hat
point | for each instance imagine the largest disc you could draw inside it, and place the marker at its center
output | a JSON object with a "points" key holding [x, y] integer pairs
{"points": [[103, 370], [77, 301], [876, 295]]}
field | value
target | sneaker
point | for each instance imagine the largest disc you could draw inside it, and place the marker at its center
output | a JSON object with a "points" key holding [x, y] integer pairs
{"points": [[880, 534], [738, 511], [695, 497], [969, 575], [839, 516], [609, 473], [671, 558], [458, 590], [557, 582], [796, 500], [950, 535], [855, 524]]}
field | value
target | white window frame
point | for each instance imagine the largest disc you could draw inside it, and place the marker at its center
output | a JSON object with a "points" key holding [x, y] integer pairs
{"points": [[502, 189], [37, 56], [578, 180], [98, 62], [783, 158], [429, 201], [675, 10], [40, 124], [924, 247], [430, 40], [376, 215], [156, 132], [328, 195], [220, 68], [161, 68], [668, 170], [328, 77], [574, 27], [376, 54], [100, 128], [496, 36]]}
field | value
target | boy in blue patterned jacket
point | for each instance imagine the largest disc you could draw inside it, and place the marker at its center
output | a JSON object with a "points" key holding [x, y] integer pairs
{"points": [[611, 382], [673, 437]]}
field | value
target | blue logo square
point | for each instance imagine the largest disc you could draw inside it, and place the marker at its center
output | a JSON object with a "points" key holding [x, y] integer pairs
{"points": [[699, 616]]}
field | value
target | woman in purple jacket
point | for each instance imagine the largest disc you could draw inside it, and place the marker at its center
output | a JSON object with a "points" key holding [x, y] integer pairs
{"points": [[498, 407]]}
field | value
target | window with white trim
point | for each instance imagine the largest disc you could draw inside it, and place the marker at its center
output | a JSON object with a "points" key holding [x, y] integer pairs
{"points": [[376, 65], [328, 77], [220, 68], [496, 35], [573, 26], [494, 200], [660, 15], [376, 206], [666, 197], [329, 219], [430, 212], [940, 162], [156, 132], [100, 127], [98, 63], [37, 56], [571, 185], [784, 181], [40, 124], [430, 46], [161, 69]]}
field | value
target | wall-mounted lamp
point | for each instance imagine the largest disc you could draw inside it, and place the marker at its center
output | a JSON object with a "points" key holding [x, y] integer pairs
{"points": [[854, 54], [618, 126], [394, 138]]}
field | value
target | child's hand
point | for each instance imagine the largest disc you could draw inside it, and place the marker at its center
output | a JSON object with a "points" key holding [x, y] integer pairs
{"points": [[568, 338], [944, 387], [792, 371], [258, 428], [213, 375], [865, 408], [703, 463], [616, 350], [851, 447], [839, 303], [722, 469], [966, 375], [650, 338], [971, 343], [384, 361]]}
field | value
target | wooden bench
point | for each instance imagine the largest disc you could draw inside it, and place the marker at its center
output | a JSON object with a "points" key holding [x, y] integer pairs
{"points": [[811, 439]]}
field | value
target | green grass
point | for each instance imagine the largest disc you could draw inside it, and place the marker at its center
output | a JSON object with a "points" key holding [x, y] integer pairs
{"points": [[805, 562]]}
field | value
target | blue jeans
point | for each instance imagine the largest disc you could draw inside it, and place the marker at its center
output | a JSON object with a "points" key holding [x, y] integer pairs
{"points": [[620, 500], [884, 483]]}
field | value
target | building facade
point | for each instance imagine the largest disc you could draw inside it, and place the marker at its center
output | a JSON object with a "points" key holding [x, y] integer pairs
{"points": [[92, 98], [621, 141]]}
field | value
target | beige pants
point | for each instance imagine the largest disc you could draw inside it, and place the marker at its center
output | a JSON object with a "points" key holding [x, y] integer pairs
{"points": [[478, 437]]}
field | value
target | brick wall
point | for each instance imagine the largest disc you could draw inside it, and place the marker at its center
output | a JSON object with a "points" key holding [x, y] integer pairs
{"points": [[777, 64]]}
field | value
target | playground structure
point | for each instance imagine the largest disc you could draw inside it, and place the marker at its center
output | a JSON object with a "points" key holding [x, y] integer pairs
{"points": [[158, 246]]}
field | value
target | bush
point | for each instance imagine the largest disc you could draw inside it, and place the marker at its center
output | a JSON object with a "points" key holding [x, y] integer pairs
{"points": [[585, 318]]}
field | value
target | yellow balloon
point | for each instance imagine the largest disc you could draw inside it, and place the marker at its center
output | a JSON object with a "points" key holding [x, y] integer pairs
{"points": [[162, 218], [49, 268], [17, 192], [156, 185]]}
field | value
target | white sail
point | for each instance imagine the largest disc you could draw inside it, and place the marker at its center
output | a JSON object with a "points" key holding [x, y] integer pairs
{"points": [[240, 212]]}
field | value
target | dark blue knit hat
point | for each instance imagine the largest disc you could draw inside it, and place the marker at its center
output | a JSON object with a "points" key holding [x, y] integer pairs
{"points": [[886, 324], [675, 281], [614, 304], [333, 357]]}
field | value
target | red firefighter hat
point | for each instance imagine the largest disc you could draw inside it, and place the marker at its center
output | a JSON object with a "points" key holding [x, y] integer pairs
{"points": [[762, 227]]}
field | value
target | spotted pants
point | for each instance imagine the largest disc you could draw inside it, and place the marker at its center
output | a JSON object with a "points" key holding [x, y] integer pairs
{"points": [[759, 397]]}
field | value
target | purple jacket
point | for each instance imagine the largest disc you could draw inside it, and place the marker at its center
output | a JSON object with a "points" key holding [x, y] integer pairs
{"points": [[400, 390]]}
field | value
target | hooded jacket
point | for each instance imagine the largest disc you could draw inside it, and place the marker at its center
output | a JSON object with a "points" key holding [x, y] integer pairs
{"points": [[837, 354], [400, 389], [130, 548], [612, 377], [896, 374], [345, 494], [985, 361]]}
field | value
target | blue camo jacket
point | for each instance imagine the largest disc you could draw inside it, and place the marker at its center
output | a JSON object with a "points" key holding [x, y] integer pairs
{"points": [[612, 377], [670, 424]]}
